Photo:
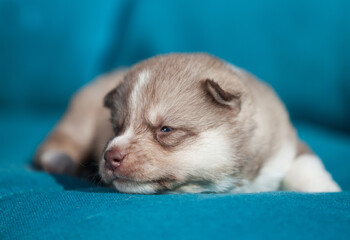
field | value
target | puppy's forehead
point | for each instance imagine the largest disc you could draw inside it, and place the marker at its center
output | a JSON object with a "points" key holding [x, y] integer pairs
{"points": [[156, 94], [170, 84], [167, 75], [137, 92]]}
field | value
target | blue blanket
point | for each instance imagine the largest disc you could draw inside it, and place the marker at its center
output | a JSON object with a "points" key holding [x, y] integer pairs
{"points": [[50, 49]]}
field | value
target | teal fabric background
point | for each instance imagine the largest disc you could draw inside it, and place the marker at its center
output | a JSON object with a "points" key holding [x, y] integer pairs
{"points": [[48, 49]]}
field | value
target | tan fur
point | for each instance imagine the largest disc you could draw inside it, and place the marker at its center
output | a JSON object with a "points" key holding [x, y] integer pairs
{"points": [[227, 126]]}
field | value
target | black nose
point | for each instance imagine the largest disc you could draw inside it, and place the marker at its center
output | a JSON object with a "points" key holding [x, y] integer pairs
{"points": [[114, 157]]}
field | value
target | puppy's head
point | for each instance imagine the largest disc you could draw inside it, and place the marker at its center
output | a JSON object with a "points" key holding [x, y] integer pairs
{"points": [[176, 123]]}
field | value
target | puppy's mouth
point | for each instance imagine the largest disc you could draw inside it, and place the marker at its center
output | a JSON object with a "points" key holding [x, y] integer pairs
{"points": [[143, 187], [131, 185], [128, 184]]}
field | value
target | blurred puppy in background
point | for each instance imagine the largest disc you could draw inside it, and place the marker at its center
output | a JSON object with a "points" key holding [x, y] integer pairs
{"points": [[183, 123]]}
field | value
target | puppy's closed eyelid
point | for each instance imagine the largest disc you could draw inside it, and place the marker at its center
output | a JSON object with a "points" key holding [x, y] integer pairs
{"points": [[173, 139]]}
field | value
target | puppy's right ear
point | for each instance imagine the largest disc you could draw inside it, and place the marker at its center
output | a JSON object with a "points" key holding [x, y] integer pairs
{"points": [[110, 99], [229, 99]]}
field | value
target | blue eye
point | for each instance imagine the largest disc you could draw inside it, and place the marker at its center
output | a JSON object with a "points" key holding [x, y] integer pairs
{"points": [[166, 129]]}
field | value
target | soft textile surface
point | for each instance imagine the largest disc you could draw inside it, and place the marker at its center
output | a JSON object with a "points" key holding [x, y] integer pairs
{"points": [[36, 205], [48, 49], [81, 215]]}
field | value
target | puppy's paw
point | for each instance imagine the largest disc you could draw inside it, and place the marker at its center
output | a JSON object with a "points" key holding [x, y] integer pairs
{"points": [[307, 174], [54, 161]]}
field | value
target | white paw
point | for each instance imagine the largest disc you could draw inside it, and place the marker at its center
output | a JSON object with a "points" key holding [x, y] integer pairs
{"points": [[307, 174]]}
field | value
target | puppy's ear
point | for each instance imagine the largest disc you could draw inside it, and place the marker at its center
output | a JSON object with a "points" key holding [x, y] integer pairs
{"points": [[110, 98], [227, 99]]}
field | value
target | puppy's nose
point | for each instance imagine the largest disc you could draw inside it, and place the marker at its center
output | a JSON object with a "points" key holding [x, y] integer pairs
{"points": [[114, 157]]}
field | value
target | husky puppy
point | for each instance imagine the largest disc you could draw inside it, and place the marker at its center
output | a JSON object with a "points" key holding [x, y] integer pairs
{"points": [[183, 123]]}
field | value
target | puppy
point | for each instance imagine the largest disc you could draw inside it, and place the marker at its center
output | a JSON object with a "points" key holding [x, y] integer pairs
{"points": [[183, 123]]}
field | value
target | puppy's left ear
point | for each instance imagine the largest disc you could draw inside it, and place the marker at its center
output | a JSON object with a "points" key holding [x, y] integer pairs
{"points": [[224, 98], [110, 99]]}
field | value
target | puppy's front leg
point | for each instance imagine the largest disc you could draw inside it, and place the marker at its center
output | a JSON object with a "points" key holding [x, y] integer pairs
{"points": [[68, 144], [73, 140], [307, 174]]}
